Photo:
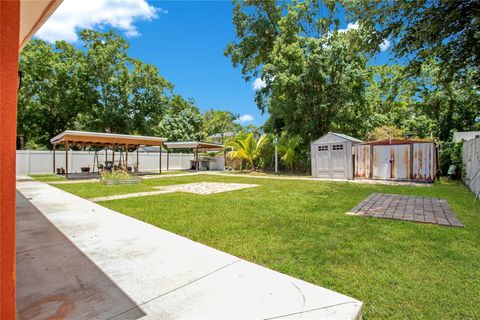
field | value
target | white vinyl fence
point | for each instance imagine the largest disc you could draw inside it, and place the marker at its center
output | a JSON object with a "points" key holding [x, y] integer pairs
{"points": [[33, 161], [471, 163]]}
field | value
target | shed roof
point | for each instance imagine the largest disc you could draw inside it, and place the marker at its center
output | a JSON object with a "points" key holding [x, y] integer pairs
{"points": [[394, 141], [193, 145], [465, 136], [98, 138], [339, 136]]}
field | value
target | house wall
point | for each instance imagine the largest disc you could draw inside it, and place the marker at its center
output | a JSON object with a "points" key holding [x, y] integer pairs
{"points": [[471, 163], [35, 162], [9, 48]]}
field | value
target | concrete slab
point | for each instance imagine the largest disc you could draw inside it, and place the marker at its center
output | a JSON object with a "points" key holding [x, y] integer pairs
{"points": [[407, 208], [245, 290], [55, 280], [206, 188], [145, 271]]}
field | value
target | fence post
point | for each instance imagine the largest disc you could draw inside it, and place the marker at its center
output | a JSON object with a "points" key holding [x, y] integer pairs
{"points": [[27, 159]]}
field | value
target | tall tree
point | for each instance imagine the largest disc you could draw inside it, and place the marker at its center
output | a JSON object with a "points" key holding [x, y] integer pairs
{"points": [[248, 148], [256, 24], [288, 148], [315, 76], [446, 30], [220, 122], [182, 122], [53, 92], [98, 88]]}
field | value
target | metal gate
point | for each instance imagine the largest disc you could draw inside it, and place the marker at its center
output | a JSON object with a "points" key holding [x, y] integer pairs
{"points": [[331, 160]]}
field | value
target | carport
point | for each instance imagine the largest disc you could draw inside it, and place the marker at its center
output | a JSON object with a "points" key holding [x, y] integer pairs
{"points": [[114, 141], [195, 146]]}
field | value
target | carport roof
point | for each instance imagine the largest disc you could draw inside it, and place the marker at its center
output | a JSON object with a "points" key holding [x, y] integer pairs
{"points": [[194, 145], [98, 138], [394, 141]]}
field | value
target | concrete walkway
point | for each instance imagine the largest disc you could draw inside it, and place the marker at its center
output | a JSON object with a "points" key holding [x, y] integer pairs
{"points": [[79, 260]]}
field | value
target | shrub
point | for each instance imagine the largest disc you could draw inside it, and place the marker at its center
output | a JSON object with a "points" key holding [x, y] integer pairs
{"points": [[115, 175]]}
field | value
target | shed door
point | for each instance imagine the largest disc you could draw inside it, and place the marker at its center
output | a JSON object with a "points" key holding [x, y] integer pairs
{"points": [[400, 156], [391, 162], [322, 159], [362, 161], [381, 162], [424, 161], [338, 161]]}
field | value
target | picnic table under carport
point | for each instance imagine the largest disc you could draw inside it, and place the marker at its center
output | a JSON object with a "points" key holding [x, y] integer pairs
{"points": [[113, 141], [196, 146]]}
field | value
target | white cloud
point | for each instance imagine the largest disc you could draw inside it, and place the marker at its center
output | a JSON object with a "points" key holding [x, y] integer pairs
{"points": [[350, 26], [245, 118], [258, 84], [73, 15], [385, 45]]}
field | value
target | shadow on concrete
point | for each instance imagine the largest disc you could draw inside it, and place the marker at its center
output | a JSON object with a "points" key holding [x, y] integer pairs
{"points": [[55, 280]]}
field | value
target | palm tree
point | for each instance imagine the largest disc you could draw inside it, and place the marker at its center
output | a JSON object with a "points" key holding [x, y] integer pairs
{"points": [[248, 149], [288, 147]]}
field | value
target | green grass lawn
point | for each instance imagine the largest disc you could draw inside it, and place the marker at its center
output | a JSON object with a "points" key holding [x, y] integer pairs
{"points": [[401, 270], [47, 177], [50, 177]]}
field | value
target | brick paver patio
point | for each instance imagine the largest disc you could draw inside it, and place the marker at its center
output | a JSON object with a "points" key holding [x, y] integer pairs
{"points": [[407, 208]]}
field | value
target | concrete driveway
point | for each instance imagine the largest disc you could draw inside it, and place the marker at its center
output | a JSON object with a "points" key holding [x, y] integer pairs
{"points": [[79, 260]]}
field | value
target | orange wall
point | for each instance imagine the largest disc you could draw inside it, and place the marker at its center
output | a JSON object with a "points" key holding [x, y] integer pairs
{"points": [[9, 46]]}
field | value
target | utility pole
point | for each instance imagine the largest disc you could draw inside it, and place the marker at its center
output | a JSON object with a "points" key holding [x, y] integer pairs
{"points": [[276, 155]]}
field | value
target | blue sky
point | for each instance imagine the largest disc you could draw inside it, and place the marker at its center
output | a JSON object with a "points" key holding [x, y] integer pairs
{"points": [[187, 44], [184, 39]]}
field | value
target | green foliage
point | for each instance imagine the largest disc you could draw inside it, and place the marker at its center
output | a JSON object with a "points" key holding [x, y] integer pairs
{"points": [[424, 106], [288, 147], [220, 122], [115, 175], [318, 78], [446, 30], [451, 154], [315, 79], [248, 148], [182, 123], [97, 88], [385, 132], [54, 90]]}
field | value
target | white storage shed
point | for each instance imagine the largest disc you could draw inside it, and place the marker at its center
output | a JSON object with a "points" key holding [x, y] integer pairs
{"points": [[332, 156]]}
